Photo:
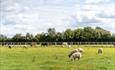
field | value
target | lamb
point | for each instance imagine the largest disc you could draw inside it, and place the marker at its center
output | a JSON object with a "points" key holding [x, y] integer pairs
{"points": [[100, 50], [73, 51], [81, 50], [76, 55]]}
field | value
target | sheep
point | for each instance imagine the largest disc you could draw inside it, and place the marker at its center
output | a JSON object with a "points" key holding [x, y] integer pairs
{"points": [[73, 51], [100, 50], [24, 46], [69, 46], [9, 47], [81, 50], [64, 44], [76, 55]]}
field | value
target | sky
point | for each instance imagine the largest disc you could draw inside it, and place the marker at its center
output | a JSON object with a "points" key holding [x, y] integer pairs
{"points": [[36, 16]]}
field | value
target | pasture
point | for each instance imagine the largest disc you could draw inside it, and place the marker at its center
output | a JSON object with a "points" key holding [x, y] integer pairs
{"points": [[55, 58]]}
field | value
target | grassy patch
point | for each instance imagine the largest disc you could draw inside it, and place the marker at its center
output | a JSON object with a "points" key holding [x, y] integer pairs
{"points": [[55, 58]]}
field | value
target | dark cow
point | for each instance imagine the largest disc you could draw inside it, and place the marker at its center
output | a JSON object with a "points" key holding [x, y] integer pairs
{"points": [[44, 44]]}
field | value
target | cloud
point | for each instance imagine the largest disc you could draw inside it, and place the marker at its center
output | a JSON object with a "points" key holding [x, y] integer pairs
{"points": [[93, 1], [84, 21], [36, 16], [98, 1], [107, 12], [103, 15]]}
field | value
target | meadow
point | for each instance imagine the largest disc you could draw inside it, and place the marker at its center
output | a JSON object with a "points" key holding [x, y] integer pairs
{"points": [[55, 58]]}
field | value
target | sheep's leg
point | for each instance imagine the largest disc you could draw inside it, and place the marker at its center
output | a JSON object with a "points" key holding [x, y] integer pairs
{"points": [[71, 59], [74, 59], [78, 58], [101, 51]]}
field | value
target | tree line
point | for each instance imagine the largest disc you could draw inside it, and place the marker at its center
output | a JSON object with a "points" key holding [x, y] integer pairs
{"points": [[86, 34]]}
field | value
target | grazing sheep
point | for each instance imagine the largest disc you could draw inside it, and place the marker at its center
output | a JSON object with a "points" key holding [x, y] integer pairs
{"points": [[81, 50], [62, 46], [69, 46], [100, 50], [64, 43], [9, 47], [76, 55], [25, 46], [73, 51]]}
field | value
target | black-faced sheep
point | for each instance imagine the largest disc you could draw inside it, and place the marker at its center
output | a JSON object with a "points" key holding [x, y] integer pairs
{"points": [[76, 55], [100, 50], [9, 47], [73, 51]]}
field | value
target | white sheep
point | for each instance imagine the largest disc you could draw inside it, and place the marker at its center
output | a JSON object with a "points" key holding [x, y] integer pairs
{"points": [[69, 46], [24, 46], [81, 50], [100, 50], [73, 51], [76, 55], [64, 44]]}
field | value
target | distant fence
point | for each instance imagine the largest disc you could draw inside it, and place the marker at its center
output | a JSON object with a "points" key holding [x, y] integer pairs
{"points": [[57, 43]]}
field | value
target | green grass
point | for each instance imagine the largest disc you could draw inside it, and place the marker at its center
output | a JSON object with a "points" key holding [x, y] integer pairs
{"points": [[55, 58]]}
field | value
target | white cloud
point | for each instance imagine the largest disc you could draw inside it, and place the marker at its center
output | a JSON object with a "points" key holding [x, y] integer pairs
{"points": [[37, 15], [93, 1], [97, 1]]}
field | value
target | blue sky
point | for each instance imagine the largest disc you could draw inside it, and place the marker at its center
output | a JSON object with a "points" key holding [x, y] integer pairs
{"points": [[36, 16]]}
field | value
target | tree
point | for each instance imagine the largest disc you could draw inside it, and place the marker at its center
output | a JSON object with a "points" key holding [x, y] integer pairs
{"points": [[68, 35], [89, 34], [102, 35], [19, 38], [112, 38], [78, 34], [51, 34], [29, 37], [59, 37], [86, 34], [41, 37], [2, 38]]}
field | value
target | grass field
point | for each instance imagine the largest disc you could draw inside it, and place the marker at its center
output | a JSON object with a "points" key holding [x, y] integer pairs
{"points": [[55, 58]]}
